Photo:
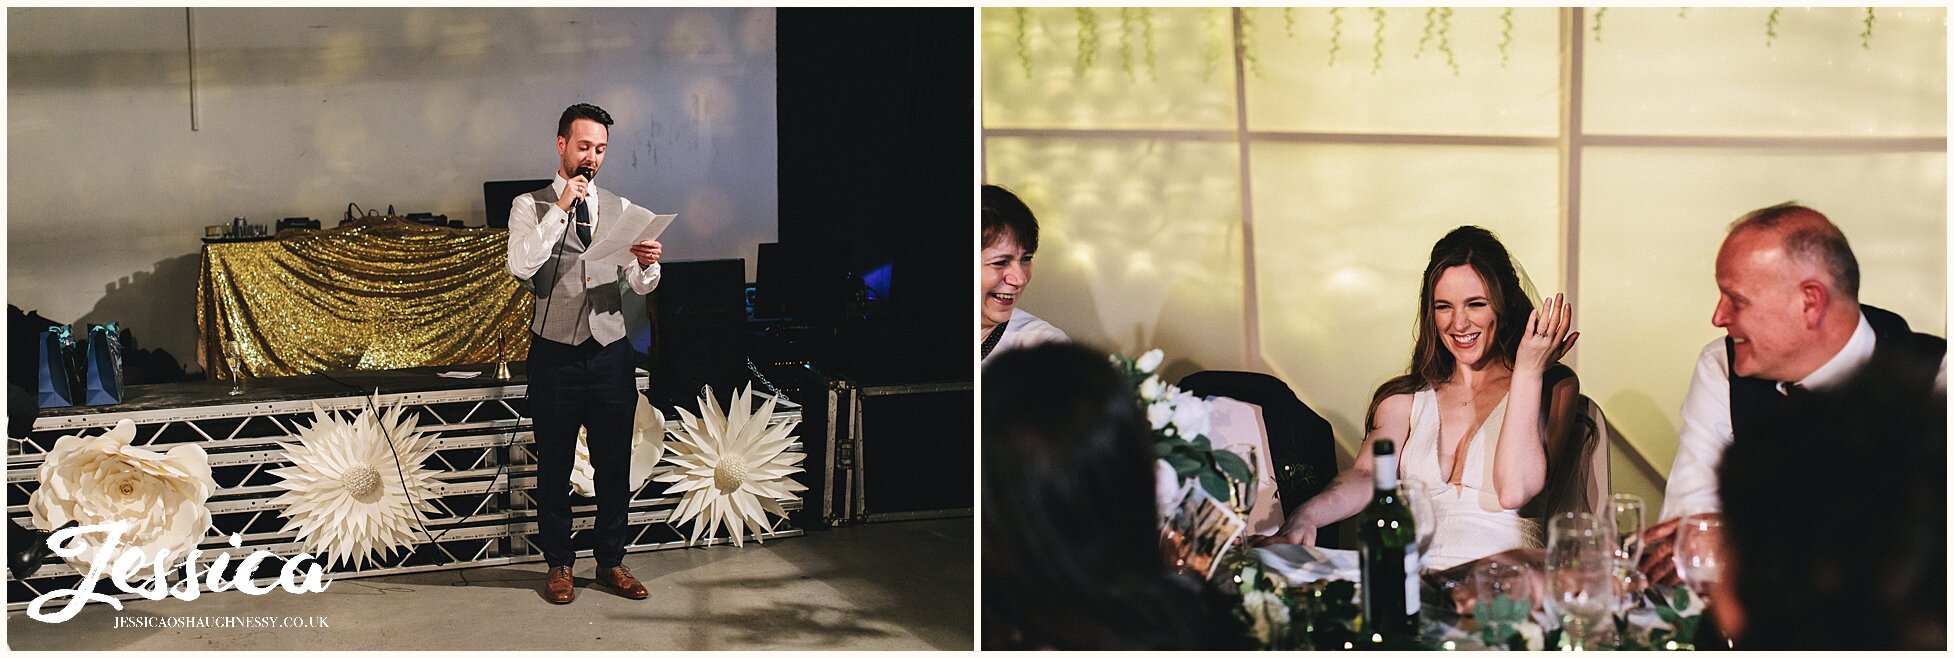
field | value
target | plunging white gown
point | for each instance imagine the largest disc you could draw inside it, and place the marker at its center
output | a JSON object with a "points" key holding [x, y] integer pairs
{"points": [[1470, 522]]}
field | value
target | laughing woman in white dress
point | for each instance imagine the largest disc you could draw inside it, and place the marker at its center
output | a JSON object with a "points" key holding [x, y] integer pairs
{"points": [[1469, 415]]}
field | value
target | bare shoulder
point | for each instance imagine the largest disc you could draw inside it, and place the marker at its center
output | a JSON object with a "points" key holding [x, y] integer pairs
{"points": [[1393, 417]]}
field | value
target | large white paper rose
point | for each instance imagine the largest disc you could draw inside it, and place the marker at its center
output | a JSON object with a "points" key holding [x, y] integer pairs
{"points": [[103, 479], [1190, 415], [647, 447]]}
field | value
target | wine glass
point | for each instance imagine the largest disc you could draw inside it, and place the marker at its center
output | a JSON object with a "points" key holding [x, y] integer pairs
{"points": [[1699, 553], [1580, 573], [1628, 517], [1505, 598], [234, 360], [1242, 492], [1423, 521]]}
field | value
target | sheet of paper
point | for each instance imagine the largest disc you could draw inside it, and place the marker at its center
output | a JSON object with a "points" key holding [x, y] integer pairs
{"points": [[613, 248], [461, 374]]}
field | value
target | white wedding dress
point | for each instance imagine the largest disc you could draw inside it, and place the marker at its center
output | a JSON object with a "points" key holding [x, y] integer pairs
{"points": [[1470, 522]]}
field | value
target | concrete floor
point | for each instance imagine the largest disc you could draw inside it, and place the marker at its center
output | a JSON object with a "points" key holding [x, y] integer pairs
{"points": [[903, 585]]}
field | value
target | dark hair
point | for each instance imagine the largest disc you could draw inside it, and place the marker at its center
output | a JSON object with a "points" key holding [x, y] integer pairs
{"points": [[1005, 213], [1431, 364], [1071, 550], [1834, 512], [1811, 237], [582, 111]]}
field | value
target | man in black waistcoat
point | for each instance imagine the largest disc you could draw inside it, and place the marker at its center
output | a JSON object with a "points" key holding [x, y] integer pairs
{"points": [[1789, 302]]}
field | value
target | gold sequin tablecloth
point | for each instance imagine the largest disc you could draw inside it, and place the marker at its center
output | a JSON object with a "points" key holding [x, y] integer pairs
{"points": [[375, 294]]}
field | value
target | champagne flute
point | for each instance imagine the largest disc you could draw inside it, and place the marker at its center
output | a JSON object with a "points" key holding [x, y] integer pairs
{"points": [[234, 360], [1580, 573], [1242, 492]]}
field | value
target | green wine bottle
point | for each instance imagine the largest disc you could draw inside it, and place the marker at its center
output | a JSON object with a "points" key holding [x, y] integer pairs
{"points": [[1388, 557]]}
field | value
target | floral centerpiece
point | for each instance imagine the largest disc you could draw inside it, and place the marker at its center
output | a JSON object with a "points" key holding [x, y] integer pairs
{"points": [[1180, 424]]}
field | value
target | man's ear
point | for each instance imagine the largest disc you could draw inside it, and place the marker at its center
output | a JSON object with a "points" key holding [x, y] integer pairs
{"points": [[1814, 300]]}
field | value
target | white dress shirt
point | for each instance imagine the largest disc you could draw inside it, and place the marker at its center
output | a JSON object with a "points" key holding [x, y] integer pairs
{"points": [[532, 239], [1026, 330], [1707, 431]]}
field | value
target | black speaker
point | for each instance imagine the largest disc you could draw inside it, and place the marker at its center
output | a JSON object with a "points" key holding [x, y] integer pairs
{"points": [[698, 336], [498, 194]]}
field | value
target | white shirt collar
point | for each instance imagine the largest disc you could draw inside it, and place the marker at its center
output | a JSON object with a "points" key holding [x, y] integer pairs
{"points": [[1857, 351]]}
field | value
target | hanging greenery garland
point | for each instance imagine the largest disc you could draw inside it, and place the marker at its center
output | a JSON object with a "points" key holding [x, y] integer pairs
{"points": [[1088, 38], [1126, 42], [1024, 40], [1431, 24], [1377, 44], [1248, 44], [1146, 34], [1598, 13], [1445, 39], [1289, 21], [1214, 43], [1771, 26], [1866, 37], [1336, 33], [1505, 36]]}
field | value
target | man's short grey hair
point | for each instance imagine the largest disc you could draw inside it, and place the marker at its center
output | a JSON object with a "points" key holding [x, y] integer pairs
{"points": [[1808, 237]]}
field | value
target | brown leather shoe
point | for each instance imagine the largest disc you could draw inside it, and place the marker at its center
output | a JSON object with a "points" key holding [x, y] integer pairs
{"points": [[621, 579], [561, 586]]}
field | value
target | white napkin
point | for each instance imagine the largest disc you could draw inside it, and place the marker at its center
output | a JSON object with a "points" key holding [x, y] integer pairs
{"points": [[1301, 565]]}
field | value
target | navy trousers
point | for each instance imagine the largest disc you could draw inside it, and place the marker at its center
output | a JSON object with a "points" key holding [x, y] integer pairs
{"points": [[589, 386]]}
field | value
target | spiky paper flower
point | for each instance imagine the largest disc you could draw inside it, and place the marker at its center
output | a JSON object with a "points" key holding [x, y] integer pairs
{"points": [[731, 468], [104, 479], [647, 447], [346, 493]]}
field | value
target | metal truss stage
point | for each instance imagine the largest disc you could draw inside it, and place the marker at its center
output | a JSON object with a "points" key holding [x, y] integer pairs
{"points": [[487, 468]]}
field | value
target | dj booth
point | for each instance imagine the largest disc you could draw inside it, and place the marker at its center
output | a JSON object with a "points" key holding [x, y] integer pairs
{"points": [[360, 317]]}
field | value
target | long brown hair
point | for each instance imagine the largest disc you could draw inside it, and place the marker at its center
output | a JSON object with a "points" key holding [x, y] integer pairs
{"points": [[1431, 363]]}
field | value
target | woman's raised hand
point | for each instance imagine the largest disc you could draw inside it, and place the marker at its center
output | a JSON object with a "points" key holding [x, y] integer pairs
{"points": [[1547, 338]]}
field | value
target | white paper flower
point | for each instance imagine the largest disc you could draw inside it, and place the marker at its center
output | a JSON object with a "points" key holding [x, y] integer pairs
{"points": [[346, 493], [1150, 360], [103, 479], [647, 446], [731, 468]]}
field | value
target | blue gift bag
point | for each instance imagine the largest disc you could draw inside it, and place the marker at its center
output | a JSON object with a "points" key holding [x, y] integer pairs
{"points": [[57, 382], [104, 378]]}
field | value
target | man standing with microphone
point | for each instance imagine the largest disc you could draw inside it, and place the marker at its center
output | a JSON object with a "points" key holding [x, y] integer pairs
{"points": [[580, 366]]}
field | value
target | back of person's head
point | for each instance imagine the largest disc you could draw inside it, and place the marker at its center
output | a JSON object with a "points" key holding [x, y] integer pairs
{"points": [[1004, 214], [1810, 238], [1835, 519], [1071, 554]]}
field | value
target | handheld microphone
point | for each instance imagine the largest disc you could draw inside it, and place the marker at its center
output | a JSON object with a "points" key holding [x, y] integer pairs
{"points": [[588, 175]]}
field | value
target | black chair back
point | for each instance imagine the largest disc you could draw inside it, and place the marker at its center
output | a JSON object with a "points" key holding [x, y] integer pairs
{"points": [[1301, 445]]}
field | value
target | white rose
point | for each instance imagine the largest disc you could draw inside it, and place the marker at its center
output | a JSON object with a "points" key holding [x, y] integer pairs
{"points": [[1190, 415], [1267, 616], [103, 479], [1150, 360], [647, 447], [1167, 490], [1153, 389], [1159, 413]]}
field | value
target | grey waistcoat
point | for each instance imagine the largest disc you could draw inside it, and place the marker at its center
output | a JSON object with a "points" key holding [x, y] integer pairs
{"points": [[577, 300]]}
